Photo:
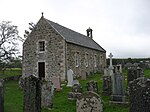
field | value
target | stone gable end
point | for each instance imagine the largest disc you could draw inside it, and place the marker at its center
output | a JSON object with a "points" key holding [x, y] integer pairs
{"points": [[53, 56]]}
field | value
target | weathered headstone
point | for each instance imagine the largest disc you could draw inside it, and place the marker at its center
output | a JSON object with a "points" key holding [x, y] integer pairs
{"points": [[32, 94], [106, 72], [111, 66], [118, 88], [129, 65], [76, 92], [1, 96], [140, 72], [69, 78], [89, 102], [134, 73], [83, 75], [92, 86], [75, 82], [56, 82], [106, 85], [139, 95], [47, 94], [118, 67]]}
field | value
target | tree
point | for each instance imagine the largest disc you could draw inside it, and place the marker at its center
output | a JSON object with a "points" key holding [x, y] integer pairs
{"points": [[9, 39]]}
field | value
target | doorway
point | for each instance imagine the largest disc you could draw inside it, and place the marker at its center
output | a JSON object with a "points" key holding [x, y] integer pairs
{"points": [[41, 69]]}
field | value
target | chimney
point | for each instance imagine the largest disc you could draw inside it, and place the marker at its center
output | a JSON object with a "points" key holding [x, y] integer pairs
{"points": [[89, 32]]}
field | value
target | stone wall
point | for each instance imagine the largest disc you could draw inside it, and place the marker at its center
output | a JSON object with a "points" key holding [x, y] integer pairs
{"points": [[71, 49], [53, 56]]}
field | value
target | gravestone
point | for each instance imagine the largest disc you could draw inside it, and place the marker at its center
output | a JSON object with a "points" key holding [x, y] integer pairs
{"points": [[32, 94], [131, 74], [118, 95], [92, 86], [47, 94], [134, 73], [89, 102], [111, 66], [106, 85], [118, 67], [75, 82], [1, 96], [106, 71], [56, 82], [83, 75], [76, 92], [139, 95], [140, 72], [69, 78]]}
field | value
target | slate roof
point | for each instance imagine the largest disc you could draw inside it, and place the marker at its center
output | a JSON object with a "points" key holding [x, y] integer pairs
{"points": [[75, 37]]}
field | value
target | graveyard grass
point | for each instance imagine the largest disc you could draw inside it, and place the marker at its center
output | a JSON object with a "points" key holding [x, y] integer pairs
{"points": [[14, 97], [10, 72]]}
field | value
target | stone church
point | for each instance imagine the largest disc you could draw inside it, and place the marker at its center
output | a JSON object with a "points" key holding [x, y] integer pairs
{"points": [[51, 49]]}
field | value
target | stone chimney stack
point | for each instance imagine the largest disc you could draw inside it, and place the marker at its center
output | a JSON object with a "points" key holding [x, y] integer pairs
{"points": [[89, 32]]}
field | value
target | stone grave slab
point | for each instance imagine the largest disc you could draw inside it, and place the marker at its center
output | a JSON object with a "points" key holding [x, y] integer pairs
{"points": [[69, 78], [89, 102], [56, 82], [139, 95], [47, 94], [92, 86], [76, 92], [83, 75], [118, 95], [106, 90], [32, 94], [75, 82]]}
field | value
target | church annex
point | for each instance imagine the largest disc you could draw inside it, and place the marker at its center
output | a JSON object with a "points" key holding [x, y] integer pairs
{"points": [[52, 49]]}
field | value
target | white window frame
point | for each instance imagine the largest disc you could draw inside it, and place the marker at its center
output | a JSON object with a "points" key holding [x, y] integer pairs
{"points": [[76, 59], [38, 46]]}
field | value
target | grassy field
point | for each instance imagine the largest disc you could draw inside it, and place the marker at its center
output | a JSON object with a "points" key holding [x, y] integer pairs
{"points": [[10, 72], [14, 97]]}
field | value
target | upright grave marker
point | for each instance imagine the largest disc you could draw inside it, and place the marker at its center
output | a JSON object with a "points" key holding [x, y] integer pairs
{"points": [[32, 94], [92, 86], [89, 102], [47, 94], [76, 92], [118, 95], [69, 78], [83, 75], [139, 95], [111, 66], [106, 85], [1, 96], [56, 82]]}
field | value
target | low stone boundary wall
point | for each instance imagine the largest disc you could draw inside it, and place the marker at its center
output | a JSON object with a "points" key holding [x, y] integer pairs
{"points": [[11, 78]]}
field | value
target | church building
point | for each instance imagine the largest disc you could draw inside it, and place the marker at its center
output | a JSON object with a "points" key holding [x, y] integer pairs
{"points": [[52, 49]]}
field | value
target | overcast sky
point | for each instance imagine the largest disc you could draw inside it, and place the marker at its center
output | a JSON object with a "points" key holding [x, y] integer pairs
{"points": [[119, 26]]}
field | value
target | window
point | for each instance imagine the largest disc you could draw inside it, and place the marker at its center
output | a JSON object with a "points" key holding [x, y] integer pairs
{"points": [[95, 64], [101, 59], [41, 45], [77, 59], [86, 60]]}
